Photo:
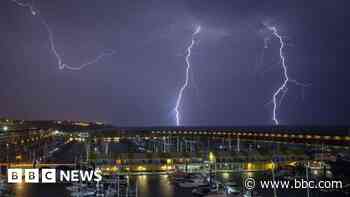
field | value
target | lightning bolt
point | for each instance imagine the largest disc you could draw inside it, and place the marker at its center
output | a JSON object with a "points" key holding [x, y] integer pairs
{"points": [[283, 89], [26, 5], [187, 77], [60, 63]]}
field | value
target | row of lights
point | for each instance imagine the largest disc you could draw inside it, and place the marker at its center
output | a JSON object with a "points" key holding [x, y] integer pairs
{"points": [[300, 136], [115, 139], [139, 168], [22, 141]]}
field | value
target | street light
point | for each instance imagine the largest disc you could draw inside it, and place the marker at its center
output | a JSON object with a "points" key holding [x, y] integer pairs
{"points": [[7, 154], [211, 157], [5, 128], [212, 160]]}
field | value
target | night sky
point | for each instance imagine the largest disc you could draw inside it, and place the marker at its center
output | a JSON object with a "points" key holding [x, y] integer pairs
{"points": [[138, 85]]}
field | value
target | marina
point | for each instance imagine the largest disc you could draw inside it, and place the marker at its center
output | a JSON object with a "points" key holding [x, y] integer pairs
{"points": [[170, 174]]}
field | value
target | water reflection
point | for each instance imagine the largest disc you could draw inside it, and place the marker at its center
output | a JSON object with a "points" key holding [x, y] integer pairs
{"points": [[20, 189], [166, 187], [142, 184], [155, 186]]}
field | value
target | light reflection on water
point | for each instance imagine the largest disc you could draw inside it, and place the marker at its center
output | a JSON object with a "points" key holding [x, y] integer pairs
{"points": [[154, 186], [166, 187], [148, 186], [20, 189], [142, 183], [236, 176], [38, 190]]}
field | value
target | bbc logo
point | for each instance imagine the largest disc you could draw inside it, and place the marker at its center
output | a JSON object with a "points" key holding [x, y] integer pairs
{"points": [[31, 175]]}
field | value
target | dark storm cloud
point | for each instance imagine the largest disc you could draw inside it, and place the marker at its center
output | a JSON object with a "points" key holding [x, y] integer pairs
{"points": [[138, 85]]}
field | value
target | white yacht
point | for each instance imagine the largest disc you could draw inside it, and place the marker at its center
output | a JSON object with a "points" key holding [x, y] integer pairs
{"points": [[232, 188]]}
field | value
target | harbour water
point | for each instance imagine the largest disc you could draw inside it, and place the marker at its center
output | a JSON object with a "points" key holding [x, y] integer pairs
{"points": [[153, 186]]}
